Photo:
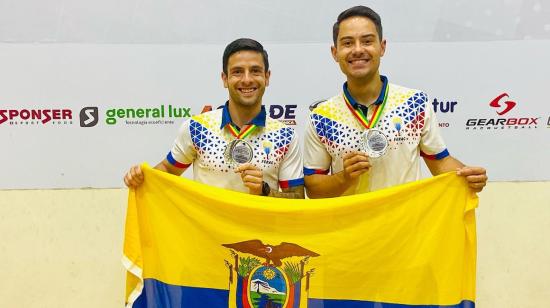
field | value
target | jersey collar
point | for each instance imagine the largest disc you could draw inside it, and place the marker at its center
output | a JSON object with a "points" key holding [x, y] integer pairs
{"points": [[378, 101], [259, 120]]}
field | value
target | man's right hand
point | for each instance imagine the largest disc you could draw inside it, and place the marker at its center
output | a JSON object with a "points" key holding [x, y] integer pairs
{"points": [[134, 177], [334, 185], [355, 164]]}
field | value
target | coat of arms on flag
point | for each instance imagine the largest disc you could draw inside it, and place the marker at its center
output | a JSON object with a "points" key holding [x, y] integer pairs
{"points": [[271, 276]]}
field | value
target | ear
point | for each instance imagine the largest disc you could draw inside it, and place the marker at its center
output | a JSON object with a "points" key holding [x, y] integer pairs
{"points": [[224, 79], [267, 75], [383, 46], [333, 52]]}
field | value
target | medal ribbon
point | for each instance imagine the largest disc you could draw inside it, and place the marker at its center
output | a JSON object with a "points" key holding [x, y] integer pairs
{"points": [[362, 118], [241, 134]]}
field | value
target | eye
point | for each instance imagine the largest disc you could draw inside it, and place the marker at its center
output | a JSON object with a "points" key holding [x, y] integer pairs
{"points": [[346, 43], [236, 72], [368, 41]]}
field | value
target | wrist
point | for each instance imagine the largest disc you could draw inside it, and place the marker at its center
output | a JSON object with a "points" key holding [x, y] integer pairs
{"points": [[343, 181], [266, 189], [341, 178]]}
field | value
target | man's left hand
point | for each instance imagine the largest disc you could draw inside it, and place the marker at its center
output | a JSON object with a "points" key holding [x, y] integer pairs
{"points": [[476, 177], [252, 178]]}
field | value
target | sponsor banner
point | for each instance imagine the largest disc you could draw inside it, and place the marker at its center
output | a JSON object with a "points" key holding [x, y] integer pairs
{"points": [[163, 114], [90, 116], [283, 113], [119, 110], [36, 116], [501, 107], [444, 106]]}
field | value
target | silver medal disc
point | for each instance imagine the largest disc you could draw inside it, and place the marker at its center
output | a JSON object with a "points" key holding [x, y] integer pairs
{"points": [[239, 152], [374, 143]]}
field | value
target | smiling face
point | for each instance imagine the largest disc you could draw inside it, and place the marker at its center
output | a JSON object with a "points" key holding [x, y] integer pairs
{"points": [[246, 78], [358, 48]]}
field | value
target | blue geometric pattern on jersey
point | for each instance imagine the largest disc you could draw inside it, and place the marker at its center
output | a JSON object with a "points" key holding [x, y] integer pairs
{"points": [[281, 138], [202, 138], [328, 128], [337, 137], [414, 106]]}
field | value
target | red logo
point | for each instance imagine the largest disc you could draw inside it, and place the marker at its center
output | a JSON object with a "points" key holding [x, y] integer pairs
{"points": [[39, 115], [206, 108], [502, 106], [496, 104]]}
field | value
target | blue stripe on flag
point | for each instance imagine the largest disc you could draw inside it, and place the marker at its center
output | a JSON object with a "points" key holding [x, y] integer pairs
{"points": [[297, 294], [162, 295]]}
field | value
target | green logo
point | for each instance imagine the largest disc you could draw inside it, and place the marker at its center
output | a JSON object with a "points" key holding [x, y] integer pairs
{"points": [[112, 115]]}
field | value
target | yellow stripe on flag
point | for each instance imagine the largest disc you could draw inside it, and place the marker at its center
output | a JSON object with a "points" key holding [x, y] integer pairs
{"points": [[414, 244]]}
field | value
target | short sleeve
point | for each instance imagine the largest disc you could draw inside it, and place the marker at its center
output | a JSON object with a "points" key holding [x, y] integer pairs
{"points": [[432, 145], [183, 152], [290, 170], [317, 160]]}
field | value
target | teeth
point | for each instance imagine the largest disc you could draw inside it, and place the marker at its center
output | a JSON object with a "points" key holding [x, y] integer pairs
{"points": [[247, 90]]}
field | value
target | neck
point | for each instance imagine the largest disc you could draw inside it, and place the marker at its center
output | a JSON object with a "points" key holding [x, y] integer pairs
{"points": [[365, 91], [241, 115]]}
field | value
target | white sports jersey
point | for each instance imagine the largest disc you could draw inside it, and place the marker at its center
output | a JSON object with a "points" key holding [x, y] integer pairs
{"points": [[202, 141], [407, 120]]}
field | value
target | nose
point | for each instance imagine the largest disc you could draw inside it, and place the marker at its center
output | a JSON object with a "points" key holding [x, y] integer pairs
{"points": [[247, 77], [357, 48]]}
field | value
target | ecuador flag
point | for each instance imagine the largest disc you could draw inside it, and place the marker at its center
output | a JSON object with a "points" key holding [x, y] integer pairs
{"points": [[191, 245]]}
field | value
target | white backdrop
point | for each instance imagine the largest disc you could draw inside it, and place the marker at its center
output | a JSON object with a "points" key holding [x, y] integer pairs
{"points": [[141, 58]]}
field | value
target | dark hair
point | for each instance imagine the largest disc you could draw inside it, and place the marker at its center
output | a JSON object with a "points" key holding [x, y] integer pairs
{"points": [[244, 44], [359, 10]]}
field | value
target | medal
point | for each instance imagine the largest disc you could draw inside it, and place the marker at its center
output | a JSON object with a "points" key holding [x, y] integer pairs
{"points": [[374, 143], [239, 152]]}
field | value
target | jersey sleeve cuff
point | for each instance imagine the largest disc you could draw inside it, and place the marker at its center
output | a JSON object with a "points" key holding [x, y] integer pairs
{"points": [[170, 158], [308, 171], [437, 156], [291, 183]]}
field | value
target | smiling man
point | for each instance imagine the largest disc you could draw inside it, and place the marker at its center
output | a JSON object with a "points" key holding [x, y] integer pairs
{"points": [[372, 135], [238, 147]]}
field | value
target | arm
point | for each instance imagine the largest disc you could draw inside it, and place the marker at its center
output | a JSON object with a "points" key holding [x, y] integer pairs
{"points": [[252, 178], [291, 172], [325, 186], [317, 163], [441, 162], [439, 166], [176, 162], [165, 166], [328, 186], [296, 192], [475, 176], [134, 177]]}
